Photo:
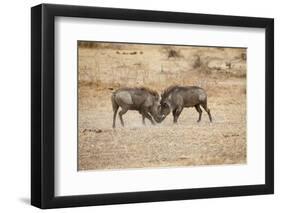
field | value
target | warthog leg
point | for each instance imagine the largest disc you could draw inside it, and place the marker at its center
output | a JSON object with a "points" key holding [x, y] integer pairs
{"points": [[143, 116], [114, 117], [176, 114], [146, 115], [121, 113], [115, 107], [204, 105], [143, 119], [199, 110]]}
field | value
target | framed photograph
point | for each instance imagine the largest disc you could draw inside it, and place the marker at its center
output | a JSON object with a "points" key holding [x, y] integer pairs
{"points": [[136, 106]]}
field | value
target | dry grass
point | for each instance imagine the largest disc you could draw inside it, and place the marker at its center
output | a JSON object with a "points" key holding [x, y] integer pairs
{"points": [[102, 68]]}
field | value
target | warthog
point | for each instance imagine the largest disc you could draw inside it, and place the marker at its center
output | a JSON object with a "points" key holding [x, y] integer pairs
{"points": [[175, 98], [143, 100]]}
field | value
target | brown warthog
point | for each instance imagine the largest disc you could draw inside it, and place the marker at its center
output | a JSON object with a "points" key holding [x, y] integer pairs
{"points": [[175, 98], [143, 100]]}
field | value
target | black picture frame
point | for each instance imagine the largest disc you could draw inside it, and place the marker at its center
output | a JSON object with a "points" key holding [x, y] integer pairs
{"points": [[43, 102]]}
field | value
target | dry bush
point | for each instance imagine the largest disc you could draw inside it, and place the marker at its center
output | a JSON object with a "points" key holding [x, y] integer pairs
{"points": [[173, 54], [170, 52], [87, 44], [243, 56], [99, 45], [197, 62]]}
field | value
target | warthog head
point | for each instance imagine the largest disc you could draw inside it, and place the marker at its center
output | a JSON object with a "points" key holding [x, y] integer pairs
{"points": [[156, 111], [165, 108]]}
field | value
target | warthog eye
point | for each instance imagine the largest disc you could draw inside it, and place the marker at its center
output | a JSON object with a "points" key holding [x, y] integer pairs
{"points": [[165, 105]]}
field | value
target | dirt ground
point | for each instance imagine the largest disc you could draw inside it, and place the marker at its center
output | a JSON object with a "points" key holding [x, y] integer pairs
{"points": [[104, 68]]}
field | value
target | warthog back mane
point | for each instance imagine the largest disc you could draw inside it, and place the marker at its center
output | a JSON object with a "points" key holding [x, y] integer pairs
{"points": [[150, 91], [168, 90], [146, 89]]}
